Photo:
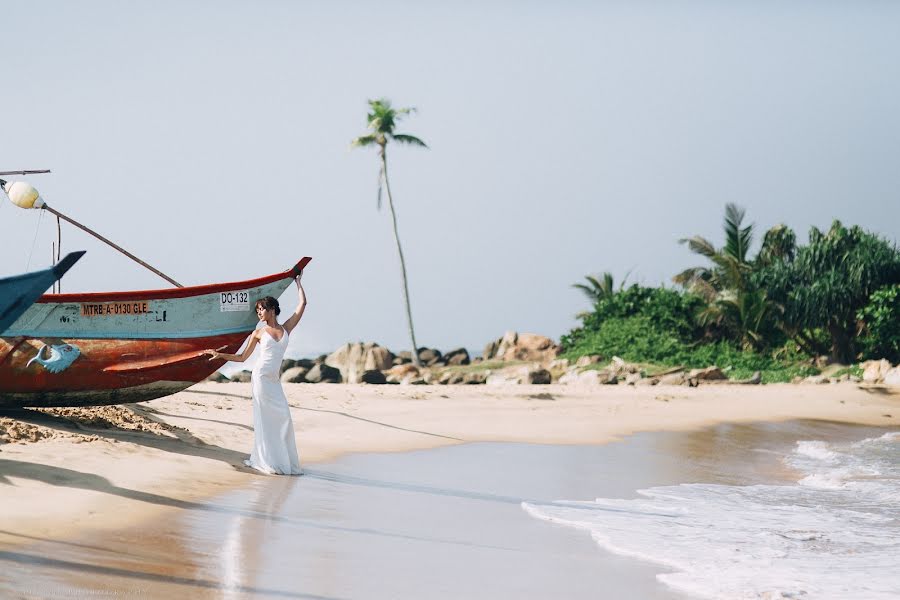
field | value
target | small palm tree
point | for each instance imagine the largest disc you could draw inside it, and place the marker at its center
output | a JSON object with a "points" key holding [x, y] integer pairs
{"points": [[598, 288], [381, 121], [730, 264], [725, 284]]}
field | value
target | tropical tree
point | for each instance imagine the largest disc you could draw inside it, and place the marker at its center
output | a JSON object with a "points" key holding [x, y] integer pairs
{"points": [[597, 288], [829, 282], [381, 121], [730, 264], [732, 303]]}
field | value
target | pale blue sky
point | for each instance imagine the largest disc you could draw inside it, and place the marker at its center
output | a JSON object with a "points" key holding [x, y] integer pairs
{"points": [[212, 140]]}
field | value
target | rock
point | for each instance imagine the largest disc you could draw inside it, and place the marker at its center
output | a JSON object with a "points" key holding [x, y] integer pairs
{"points": [[524, 346], [450, 378], [815, 380], [539, 377], [647, 381], [429, 355], [632, 378], [708, 374], [875, 370], [892, 376], [457, 357], [294, 375], [588, 359], [490, 350], [402, 360], [300, 362], [352, 360], [373, 376], [519, 376], [398, 373], [755, 379], [474, 378], [589, 378], [558, 368], [673, 379], [217, 377], [323, 373], [241, 377]]}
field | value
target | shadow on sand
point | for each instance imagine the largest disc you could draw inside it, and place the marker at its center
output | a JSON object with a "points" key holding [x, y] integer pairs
{"points": [[32, 561]]}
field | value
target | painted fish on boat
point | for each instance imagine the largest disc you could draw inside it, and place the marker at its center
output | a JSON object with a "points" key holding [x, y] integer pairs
{"points": [[58, 357]]}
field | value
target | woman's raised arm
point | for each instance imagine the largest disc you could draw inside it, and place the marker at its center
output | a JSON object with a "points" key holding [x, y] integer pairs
{"points": [[295, 318]]}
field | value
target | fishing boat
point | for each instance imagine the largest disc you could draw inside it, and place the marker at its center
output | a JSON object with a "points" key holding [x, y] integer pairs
{"points": [[117, 347], [19, 292]]}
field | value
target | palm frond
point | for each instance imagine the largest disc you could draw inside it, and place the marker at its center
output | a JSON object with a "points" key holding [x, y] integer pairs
{"points": [[688, 275], [737, 238], [363, 140], [409, 139], [699, 245]]}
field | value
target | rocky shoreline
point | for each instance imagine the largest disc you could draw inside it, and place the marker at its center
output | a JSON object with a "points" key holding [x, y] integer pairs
{"points": [[521, 359]]}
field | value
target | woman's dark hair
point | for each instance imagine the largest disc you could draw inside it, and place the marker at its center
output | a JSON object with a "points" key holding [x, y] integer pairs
{"points": [[269, 303]]}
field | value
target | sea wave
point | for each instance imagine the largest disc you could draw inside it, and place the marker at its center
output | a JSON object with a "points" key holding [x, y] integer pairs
{"points": [[835, 534]]}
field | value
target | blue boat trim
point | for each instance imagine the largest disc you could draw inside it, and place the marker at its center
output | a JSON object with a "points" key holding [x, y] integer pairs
{"points": [[130, 335]]}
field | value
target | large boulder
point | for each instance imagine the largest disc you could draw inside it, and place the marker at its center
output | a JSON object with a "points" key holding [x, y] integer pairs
{"points": [[322, 373], [241, 377], [373, 376], [522, 346], [295, 375], [457, 357], [288, 363], [430, 356], [404, 373], [875, 370], [352, 360], [892, 377]]}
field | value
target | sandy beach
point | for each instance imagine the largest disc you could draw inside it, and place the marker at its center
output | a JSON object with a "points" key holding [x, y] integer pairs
{"points": [[82, 474], [65, 470]]}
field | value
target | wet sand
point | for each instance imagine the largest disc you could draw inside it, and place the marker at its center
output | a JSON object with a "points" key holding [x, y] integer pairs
{"points": [[439, 523]]}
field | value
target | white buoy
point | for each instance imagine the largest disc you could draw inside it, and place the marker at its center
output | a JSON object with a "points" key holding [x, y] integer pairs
{"points": [[23, 194]]}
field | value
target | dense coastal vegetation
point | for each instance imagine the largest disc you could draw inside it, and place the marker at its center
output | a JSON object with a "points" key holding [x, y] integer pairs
{"points": [[786, 312]]}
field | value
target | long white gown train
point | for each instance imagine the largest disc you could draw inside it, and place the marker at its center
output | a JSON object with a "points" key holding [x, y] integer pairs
{"points": [[274, 447]]}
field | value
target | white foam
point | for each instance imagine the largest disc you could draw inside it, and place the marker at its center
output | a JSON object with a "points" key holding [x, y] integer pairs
{"points": [[834, 535]]}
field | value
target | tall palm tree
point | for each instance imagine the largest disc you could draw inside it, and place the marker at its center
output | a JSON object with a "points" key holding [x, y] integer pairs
{"points": [[381, 121]]}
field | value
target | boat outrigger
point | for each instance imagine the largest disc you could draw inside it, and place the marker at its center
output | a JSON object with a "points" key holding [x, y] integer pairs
{"points": [[19, 292], [116, 347]]}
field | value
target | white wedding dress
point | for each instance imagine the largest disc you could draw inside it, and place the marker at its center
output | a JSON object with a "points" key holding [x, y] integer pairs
{"points": [[274, 448]]}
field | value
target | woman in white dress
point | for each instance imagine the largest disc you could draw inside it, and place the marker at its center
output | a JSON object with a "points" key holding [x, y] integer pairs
{"points": [[274, 447]]}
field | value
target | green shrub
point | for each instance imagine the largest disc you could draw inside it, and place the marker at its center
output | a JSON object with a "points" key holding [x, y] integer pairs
{"points": [[881, 321]]}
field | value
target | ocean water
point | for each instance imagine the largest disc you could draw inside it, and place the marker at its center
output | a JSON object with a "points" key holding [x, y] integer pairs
{"points": [[832, 531]]}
